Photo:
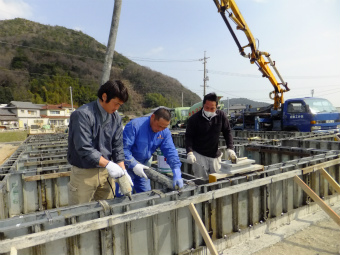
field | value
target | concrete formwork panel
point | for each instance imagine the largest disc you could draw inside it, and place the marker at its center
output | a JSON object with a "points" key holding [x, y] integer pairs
{"points": [[162, 224]]}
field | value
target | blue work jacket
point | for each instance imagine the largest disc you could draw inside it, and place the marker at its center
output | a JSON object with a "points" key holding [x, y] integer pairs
{"points": [[140, 142], [89, 138]]}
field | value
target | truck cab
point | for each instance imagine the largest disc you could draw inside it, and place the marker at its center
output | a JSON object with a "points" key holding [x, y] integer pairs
{"points": [[310, 114]]}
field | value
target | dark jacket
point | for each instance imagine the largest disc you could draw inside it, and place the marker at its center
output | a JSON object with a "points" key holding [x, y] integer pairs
{"points": [[89, 138], [203, 135]]}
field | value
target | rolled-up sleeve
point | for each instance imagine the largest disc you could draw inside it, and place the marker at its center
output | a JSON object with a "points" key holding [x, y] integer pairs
{"points": [[129, 136], [82, 138]]}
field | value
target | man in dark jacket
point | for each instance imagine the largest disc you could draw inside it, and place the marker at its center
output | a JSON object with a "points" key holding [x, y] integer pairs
{"points": [[202, 138], [95, 145]]}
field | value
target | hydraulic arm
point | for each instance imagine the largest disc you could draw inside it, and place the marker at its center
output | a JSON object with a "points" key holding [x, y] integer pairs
{"points": [[255, 55]]}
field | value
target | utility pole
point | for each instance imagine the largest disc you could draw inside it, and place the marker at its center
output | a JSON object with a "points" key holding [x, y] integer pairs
{"points": [[112, 41], [228, 106], [182, 99], [205, 77], [71, 99]]}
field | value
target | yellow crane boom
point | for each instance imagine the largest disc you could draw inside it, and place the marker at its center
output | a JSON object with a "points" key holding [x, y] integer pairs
{"points": [[255, 55]]}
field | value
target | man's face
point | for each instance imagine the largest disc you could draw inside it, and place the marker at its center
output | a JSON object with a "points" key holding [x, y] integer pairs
{"points": [[210, 106], [158, 125], [112, 106]]}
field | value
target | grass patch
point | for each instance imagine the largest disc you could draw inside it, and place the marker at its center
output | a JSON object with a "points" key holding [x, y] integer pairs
{"points": [[12, 136]]}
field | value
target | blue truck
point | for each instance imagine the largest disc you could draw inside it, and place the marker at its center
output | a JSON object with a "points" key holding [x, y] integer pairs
{"points": [[309, 114]]}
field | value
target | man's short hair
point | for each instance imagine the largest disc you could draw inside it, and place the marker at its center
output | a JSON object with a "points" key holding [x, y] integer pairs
{"points": [[162, 113], [210, 97], [113, 89]]}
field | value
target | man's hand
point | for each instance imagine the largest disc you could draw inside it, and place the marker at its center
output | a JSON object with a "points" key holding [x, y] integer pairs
{"points": [[191, 157], [177, 180], [231, 155], [139, 170], [114, 170]]}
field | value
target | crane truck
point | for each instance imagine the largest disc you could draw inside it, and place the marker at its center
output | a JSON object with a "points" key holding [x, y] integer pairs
{"points": [[307, 114]]}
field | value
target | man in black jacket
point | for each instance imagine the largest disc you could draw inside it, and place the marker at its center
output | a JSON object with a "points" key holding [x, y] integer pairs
{"points": [[202, 138]]}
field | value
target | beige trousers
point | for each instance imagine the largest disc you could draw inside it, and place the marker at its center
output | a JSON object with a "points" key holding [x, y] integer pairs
{"points": [[205, 166], [88, 185]]}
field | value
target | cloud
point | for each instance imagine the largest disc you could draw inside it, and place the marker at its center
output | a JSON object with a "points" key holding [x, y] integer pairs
{"points": [[155, 51], [10, 9]]}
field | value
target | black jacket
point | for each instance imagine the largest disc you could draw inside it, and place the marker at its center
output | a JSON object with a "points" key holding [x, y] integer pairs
{"points": [[203, 135]]}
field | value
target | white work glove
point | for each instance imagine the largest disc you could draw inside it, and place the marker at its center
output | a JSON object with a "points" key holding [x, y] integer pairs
{"points": [[138, 170], [128, 176], [115, 171], [220, 157], [231, 154], [191, 157]]}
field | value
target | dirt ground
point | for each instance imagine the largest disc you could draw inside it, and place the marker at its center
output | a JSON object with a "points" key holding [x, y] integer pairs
{"points": [[6, 150], [314, 234], [322, 238]]}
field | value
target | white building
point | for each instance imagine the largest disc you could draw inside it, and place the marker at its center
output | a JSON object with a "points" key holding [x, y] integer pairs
{"points": [[58, 115]]}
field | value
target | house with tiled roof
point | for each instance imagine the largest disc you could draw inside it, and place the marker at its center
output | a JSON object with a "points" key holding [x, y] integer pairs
{"points": [[8, 119], [28, 114], [58, 115]]}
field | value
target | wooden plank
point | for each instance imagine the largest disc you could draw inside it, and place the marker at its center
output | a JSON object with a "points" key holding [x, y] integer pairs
{"points": [[14, 251], [316, 167], [46, 176], [100, 223], [45, 162], [317, 199], [217, 176], [330, 179], [203, 230]]}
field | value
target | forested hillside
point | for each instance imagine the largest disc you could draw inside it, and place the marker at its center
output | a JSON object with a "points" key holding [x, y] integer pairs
{"points": [[39, 63], [244, 101]]}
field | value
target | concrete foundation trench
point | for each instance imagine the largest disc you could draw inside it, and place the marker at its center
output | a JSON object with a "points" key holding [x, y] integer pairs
{"points": [[35, 217]]}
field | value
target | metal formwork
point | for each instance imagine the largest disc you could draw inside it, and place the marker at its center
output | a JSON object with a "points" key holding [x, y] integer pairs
{"points": [[160, 222]]}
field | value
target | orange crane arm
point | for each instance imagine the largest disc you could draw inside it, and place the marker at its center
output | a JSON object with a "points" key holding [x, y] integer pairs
{"points": [[255, 55]]}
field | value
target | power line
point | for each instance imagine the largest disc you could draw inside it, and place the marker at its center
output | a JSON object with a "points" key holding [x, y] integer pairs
{"points": [[50, 51], [80, 56]]}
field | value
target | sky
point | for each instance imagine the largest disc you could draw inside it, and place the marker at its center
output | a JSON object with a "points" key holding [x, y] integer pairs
{"points": [[172, 36]]}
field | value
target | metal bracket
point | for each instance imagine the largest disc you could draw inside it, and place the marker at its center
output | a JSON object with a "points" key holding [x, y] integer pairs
{"points": [[49, 217], [158, 192], [106, 207]]}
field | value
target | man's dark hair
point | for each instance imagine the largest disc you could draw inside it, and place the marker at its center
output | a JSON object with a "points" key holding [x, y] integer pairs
{"points": [[113, 89], [210, 97], [162, 113]]}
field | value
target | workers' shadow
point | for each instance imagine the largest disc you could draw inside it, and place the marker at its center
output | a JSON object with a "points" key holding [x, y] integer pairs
{"points": [[308, 247], [314, 224]]}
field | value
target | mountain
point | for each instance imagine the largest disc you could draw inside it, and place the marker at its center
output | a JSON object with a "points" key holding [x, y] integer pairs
{"points": [[39, 63], [244, 101]]}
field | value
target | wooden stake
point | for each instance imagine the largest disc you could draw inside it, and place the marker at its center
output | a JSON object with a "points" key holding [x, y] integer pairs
{"points": [[202, 229], [317, 199], [13, 251], [330, 179]]}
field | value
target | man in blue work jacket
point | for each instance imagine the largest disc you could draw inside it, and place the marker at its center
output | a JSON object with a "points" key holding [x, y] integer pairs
{"points": [[141, 137]]}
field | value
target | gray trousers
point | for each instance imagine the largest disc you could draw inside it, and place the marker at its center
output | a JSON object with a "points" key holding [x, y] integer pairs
{"points": [[205, 166]]}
